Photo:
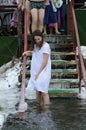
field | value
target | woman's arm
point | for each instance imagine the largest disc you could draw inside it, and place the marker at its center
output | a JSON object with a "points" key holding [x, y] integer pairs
{"points": [[27, 53], [44, 63], [21, 4]]}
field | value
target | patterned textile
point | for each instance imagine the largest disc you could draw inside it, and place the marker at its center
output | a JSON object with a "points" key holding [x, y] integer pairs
{"points": [[37, 5]]}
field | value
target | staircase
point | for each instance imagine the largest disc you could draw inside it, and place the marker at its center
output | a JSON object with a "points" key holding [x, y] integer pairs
{"points": [[64, 76]]}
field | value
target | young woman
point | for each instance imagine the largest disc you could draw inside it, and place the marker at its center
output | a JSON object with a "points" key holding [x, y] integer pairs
{"points": [[40, 68]]}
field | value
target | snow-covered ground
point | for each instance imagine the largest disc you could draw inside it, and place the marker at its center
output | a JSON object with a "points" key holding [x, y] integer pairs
{"points": [[9, 90]]}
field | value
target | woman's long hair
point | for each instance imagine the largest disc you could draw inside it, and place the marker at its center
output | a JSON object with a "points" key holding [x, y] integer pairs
{"points": [[37, 33]]}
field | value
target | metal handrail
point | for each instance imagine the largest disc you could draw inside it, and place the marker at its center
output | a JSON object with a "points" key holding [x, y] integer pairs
{"points": [[83, 70], [22, 96]]}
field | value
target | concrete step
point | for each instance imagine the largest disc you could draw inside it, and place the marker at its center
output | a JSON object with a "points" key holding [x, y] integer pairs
{"points": [[59, 64], [69, 81], [64, 89], [58, 38], [64, 62], [62, 40], [66, 71], [62, 53], [57, 48], [54, 38], [58, 72], [63, 93], [69, 90], [60, 44], [63, 56]]}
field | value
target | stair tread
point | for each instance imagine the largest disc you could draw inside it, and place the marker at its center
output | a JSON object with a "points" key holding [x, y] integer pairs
{"points": [[64, 70], [50, 36], [60, 35], [60, 61], [64, 81], [61, 44], [64, 61], [60, 91], [60, 71], [65, 95], [62, 53]]}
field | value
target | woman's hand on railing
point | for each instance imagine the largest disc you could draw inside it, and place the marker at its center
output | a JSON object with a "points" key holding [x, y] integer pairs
{"points": [[27, 53]]}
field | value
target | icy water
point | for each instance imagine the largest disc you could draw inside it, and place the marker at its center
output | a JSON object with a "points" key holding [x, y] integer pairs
{"points": [[63, 114]]}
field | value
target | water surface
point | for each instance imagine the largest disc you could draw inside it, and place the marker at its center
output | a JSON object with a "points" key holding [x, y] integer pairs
{"points": [[63, 114]]}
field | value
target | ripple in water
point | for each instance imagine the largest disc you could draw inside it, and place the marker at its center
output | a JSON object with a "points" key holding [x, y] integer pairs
{"points": [[63, 114], [33, 119]]}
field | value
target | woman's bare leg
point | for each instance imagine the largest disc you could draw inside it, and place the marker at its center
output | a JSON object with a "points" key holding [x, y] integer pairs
{"points": [[40, 19], [46, 2], [34, 14], [46, 100], [28, 16], [44, 28], [51, 30], [38, 97], [56, 28]]}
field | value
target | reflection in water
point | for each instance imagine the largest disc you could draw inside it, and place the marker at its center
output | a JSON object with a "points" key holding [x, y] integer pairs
{"points": [[64, 114]]}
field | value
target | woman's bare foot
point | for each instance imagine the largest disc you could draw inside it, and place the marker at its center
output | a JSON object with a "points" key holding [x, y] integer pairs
{"points": [[46, 3], [44, 33], [28, 32], [58, 33]]}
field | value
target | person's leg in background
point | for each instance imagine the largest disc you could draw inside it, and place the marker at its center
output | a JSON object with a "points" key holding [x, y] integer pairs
{"points": [[63, 18], [28, 16], [34, 15], [40, 19]]}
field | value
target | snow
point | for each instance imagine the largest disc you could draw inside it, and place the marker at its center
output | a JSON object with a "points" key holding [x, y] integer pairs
{"points": [[83, 50], [1, 120], [9, 91], [82, 95]]}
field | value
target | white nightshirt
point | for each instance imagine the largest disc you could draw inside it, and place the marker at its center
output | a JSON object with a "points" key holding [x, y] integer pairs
{"points": [[42, 83]]}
